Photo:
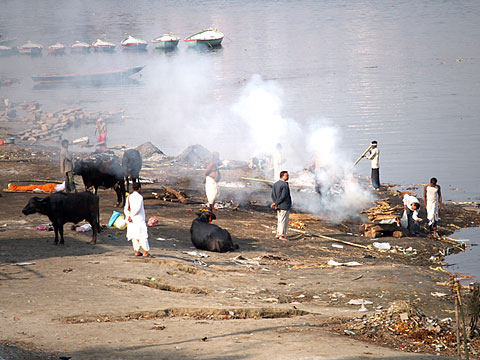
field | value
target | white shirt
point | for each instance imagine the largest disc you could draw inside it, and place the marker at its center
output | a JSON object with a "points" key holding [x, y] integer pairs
{"points": [[408, 200], [137, 229], [374, 156]]}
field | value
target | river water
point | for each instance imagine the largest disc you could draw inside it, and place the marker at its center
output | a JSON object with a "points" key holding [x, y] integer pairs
{"points": [[405, 73]]}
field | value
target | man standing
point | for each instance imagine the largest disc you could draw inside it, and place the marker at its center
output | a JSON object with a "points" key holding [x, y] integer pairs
{"points": [[136, 226], [212, 177], [374, 157], [282, 202], [411, 205], [432, 198], [66, 167]]}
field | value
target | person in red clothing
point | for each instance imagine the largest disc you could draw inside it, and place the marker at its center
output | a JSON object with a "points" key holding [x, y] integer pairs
{"points": [[101, 128]]}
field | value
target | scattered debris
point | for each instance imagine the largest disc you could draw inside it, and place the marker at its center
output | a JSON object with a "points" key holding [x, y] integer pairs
{"points": [[350, 263]]}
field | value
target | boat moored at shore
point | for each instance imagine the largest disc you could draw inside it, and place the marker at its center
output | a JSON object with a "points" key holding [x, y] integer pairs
{"points": [[166, 41], [209, 37], [56, 49], [102, 45], [80, 47], [133, 43], [30, 48]]}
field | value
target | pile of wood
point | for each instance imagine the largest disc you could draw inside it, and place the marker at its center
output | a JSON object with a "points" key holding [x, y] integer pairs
{"points": [[384, 222], [169, 194], [40, 125]]}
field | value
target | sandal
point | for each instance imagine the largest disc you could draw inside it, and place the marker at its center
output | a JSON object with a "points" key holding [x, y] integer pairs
{"points": [[148, 255]]}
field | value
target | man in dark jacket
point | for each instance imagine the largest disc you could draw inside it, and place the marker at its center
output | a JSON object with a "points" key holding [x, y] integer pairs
{"points": [[282, 202]]}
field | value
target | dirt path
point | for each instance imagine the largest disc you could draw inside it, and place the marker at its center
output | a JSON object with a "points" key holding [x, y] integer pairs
{"points": [[269, 300]]}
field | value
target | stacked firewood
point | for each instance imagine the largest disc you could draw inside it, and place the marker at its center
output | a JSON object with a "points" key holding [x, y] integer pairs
{"points": [[41, 125], [384, 222], [169, 194]]}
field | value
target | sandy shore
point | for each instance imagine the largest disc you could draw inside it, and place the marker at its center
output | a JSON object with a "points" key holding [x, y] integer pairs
{"points": [[270, 299]]}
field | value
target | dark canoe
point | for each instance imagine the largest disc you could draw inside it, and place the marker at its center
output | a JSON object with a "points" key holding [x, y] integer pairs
{"points": [[89, 77]]}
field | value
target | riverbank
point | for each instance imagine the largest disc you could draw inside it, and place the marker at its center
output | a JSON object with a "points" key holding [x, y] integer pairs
{"points": [[270, 298]]}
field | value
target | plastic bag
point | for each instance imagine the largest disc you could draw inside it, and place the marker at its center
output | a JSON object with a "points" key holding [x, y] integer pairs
{"points": [[120, 223], [404, 220], [114, 217]]}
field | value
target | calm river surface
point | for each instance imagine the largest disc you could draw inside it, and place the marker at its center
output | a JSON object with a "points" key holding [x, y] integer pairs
{"points": [[405, 73]]}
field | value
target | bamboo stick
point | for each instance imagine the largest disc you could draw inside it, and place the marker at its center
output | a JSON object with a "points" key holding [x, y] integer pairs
{"points": [[361, 156], [465, 341], [333, 239], [262, 180], [459, 352]]}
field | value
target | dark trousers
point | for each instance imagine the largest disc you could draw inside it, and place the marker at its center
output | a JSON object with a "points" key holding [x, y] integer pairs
{"points": [[376, 178], [412, 224], [69, 182]]}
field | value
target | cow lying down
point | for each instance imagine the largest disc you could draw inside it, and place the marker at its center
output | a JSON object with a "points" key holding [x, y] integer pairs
{"points": [[206, 236], [62, 208]]}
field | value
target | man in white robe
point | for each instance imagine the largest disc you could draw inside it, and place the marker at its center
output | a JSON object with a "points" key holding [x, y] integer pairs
{"points": [[136, 226]]}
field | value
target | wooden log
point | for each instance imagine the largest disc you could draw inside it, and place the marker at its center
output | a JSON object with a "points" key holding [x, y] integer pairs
{"points": [[176, 193]]}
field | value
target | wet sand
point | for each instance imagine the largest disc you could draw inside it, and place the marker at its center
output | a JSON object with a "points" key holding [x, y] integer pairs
{"points": [[270, 299]]}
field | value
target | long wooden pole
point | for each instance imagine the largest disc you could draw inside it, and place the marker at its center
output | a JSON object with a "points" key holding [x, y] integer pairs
{"points": [[465, 341], [261, 180], [332, 239], [361, 156], [459, 353]]}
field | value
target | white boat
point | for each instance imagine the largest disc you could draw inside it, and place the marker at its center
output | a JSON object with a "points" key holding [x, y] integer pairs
{"points": [[30, 48], [56, 49], [133, 43], [209, 37], [102, 45], [166, 41], [80, 47]]}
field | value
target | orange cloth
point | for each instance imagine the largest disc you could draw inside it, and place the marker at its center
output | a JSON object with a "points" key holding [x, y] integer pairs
{"points": [[49, 187]]}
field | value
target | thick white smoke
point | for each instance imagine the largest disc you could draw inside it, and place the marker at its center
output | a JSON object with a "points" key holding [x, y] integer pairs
{"points": [[260, 109]]}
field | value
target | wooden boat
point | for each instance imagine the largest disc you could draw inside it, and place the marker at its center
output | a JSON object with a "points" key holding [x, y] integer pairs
{"points": [[166, 41], [7, 50], [30, 48], [133, 43], [56, 49], [209, 37], [80, 47], [96, 77], [102, 45]]}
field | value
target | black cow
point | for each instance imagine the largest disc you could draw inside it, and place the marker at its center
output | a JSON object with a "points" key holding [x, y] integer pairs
{"points": [[104, 173], [206, 236], [132, 164], [62, 208]]}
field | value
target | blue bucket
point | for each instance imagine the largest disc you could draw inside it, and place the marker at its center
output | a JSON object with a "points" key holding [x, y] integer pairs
{"points": [[114, 217]]}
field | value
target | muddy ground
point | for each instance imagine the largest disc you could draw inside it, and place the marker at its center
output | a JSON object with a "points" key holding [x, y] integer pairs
{"points": [[269, 300]]}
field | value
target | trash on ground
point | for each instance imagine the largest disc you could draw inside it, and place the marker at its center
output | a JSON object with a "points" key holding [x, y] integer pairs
{"points": [[382, 245], [83, 228], [199, 262], [24, 263], [152, 221], [196, 253], [359, 302], [350, 263]]}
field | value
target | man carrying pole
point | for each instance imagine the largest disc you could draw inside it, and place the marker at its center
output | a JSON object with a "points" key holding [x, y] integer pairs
{"points": [[373, 154]]}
